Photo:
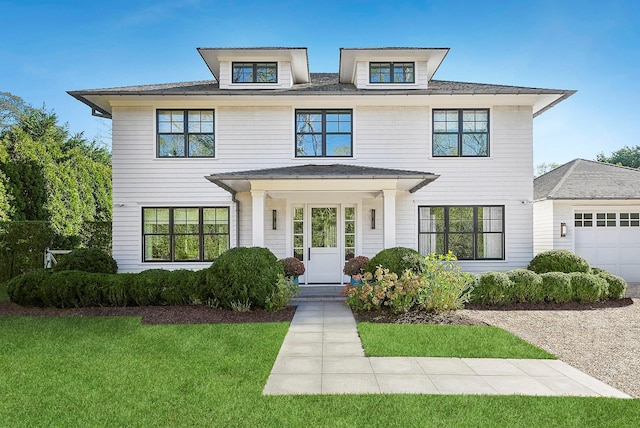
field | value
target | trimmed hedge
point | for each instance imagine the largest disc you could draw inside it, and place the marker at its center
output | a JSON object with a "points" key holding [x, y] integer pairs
{"points": [[556, 287], [397, 260], [588, 288], [617, 285], [91, 260], [526, 286], [558, 261], [492, 288]]}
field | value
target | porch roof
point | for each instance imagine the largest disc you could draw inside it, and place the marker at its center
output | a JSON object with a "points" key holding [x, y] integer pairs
{"points": [[313, 177]]}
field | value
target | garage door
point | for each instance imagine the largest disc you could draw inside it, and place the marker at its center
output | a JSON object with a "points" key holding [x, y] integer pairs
{"points": [[610, 241]]}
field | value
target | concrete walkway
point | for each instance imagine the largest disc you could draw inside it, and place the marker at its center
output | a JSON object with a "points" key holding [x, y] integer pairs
{"points": [[322, 354]]}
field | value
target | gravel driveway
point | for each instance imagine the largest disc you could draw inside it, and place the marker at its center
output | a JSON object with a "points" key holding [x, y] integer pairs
{"points": [[604, 343]]}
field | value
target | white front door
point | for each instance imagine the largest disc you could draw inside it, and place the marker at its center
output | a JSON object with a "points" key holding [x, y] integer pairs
{"points": [[324, 239]]}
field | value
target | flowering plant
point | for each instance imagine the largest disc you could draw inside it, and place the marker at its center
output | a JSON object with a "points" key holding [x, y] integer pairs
{"points": [[292, 267], [355, 265]]}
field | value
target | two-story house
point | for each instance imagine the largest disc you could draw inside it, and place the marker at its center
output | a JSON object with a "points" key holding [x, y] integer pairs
{"points": [[321, 166]]}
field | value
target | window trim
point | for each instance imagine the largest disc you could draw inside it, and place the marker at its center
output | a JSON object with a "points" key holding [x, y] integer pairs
{"points": [[392, 73], [255, 72], [475, 232], [324, 132], [185, 133], [172, 234], [460, 132]]}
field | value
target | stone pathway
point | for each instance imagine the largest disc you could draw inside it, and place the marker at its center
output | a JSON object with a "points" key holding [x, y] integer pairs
{"points": [[322, 354]]}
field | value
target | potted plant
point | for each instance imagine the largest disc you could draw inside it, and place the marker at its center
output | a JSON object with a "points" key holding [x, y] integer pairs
{"points": [[354, 267], [293, 268]]}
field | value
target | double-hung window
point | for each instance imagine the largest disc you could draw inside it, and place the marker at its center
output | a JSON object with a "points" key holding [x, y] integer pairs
{"points": [[255, 72], [391, 72], [185, 134], [184, 234], [469, 232], [461, 133], [323, 133]]}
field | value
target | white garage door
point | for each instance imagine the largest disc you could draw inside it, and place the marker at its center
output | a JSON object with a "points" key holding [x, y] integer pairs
{"points": [[610, 241]]}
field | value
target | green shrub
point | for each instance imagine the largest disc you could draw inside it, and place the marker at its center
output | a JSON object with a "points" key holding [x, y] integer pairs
{"points": [[556, 287], [282, 294], [558, 261], [397, 260], [91, 260], [588, 288], [526, 286], [244, 274], [492, 288], [446, 286], [617, 285], [25, 289]]}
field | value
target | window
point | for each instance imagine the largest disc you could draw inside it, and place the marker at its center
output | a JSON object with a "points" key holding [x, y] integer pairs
{"points": [[629, 219], [184, 234], [391, 72], [349, 233], [469, 232], [185, 133], [583, 219], [255, 72], [461, 133], [323, 133], [606, 219], [298, 233]]}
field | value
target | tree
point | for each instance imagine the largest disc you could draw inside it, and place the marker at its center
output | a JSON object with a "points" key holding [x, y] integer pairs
{"points": [[626, 156], [543, 168], [11, 107]]}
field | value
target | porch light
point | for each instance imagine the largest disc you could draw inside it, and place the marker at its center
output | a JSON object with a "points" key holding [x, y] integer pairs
{"points": [[563, 229], [274, 219], [373, 219]]}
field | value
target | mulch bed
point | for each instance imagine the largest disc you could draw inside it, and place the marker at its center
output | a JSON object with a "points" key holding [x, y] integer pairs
{"points": [[569, 306], [188, 314], [415, 317]]}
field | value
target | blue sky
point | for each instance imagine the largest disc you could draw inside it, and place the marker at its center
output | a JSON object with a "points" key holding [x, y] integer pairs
{"points": [[49, 47]]}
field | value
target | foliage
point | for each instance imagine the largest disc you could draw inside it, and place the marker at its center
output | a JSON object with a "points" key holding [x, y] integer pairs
{"points": [[543, 168], [617, 286], [440, 286], [241, 306], [26, 289], [588, 288], [558, 261], [355, 265], [556, 287], [22, 246], [292, 267], [283, 292], [626, 156], [397, 260], [492, 288], [87, 260], [526, 286], [244, 273]]}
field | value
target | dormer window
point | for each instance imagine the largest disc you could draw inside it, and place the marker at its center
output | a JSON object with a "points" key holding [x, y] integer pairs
{"points": [[255, 72], [391, 72]]}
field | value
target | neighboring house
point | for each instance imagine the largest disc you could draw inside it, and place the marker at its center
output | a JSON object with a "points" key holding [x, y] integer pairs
{"points": [[593, 209], [321, 166]]}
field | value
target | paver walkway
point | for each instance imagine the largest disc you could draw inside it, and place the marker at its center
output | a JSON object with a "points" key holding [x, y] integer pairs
{"points": [[322, 354]]}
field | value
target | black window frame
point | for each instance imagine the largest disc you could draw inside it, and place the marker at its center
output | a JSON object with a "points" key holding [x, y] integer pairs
{"points": [[460, 132], [185, 133], [254, 66], [392, 72], [446, 232], [323, 133], [172, 234]]}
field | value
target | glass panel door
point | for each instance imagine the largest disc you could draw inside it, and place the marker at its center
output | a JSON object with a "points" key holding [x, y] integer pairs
{"points": [[324, 230]]}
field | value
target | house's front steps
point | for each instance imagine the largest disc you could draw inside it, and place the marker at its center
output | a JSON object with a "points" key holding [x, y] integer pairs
{"points": [[322, 354]]}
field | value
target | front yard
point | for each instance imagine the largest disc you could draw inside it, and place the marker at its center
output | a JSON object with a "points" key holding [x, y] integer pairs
{"points": [[116, 372]]}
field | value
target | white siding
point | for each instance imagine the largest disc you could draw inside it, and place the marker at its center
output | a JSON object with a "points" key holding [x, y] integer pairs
{"points": [[543, 226]]}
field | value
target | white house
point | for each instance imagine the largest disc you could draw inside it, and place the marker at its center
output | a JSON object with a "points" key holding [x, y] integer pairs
{"points": [[593, 209], [321, 166]]}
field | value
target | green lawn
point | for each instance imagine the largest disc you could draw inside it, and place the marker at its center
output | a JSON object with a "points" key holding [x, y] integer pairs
{"points": [[105, 372], [420, 340]]}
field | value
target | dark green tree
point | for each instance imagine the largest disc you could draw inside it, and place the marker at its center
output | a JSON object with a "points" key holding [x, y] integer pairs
{"points": [[626, 156]]}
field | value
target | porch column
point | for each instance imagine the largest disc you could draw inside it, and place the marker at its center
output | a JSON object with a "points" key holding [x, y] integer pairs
{"points": [[389, 215], [257, 217]]}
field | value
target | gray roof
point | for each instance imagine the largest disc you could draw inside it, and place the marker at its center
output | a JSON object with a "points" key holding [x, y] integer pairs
{"points": [[586, 179], [320, 172], [321, 83]]}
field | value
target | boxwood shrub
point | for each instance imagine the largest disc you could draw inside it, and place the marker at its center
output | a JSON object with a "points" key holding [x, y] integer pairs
{"points": [[556, 287], [397, 260], [617, 285], [492, 288], [87, 260], [243, 274], [526, 286], [588, 288], [558, 261]]}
